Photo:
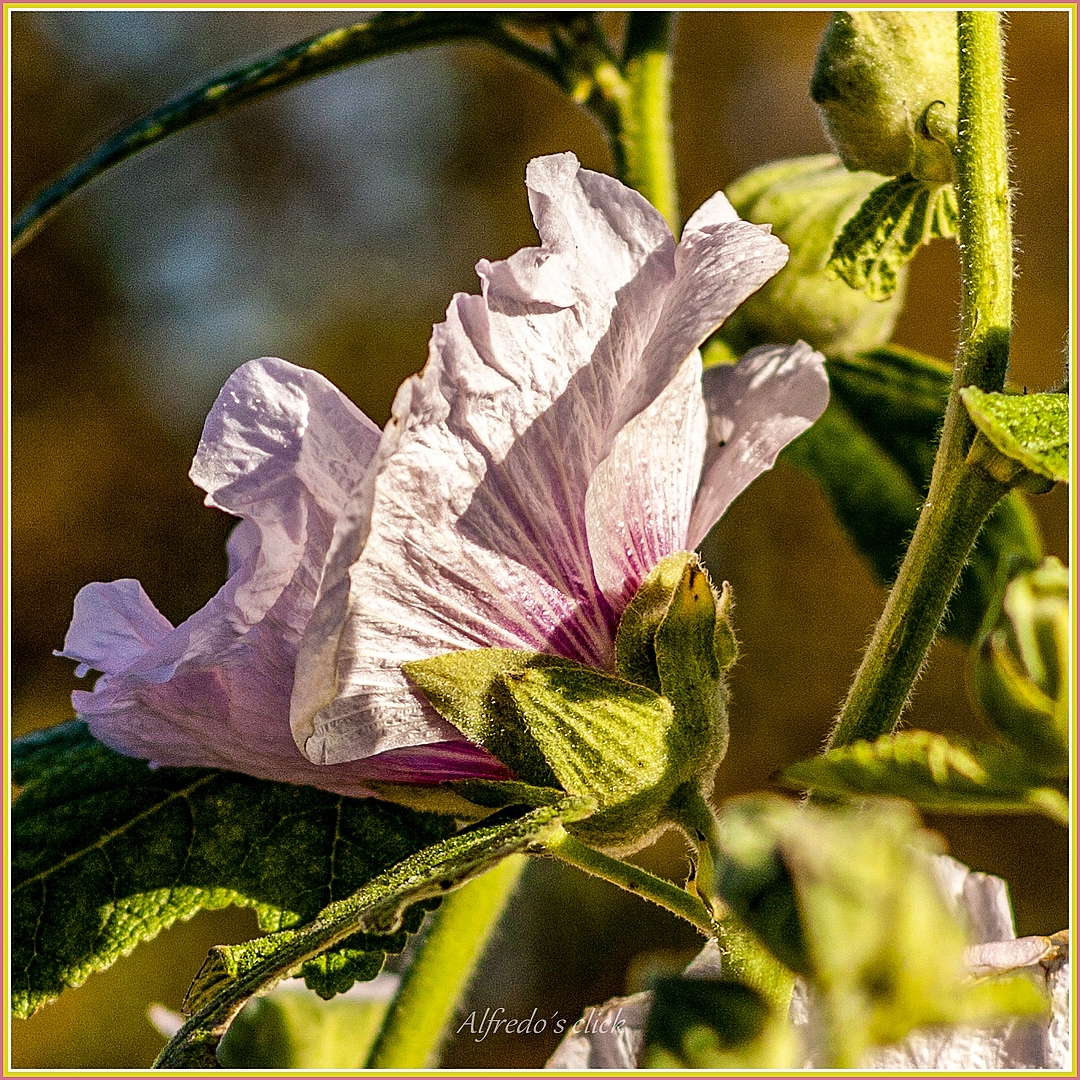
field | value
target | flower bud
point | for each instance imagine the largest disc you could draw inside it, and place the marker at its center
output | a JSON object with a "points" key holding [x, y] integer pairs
{"points": [[808, 201], [887, 85], [633, 742], [1020, 673]]}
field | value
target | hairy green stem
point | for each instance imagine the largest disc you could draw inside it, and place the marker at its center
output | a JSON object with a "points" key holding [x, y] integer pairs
{"points": [[959, 500], [646, 112], [439, 973], [631, 878], [386, 33]]}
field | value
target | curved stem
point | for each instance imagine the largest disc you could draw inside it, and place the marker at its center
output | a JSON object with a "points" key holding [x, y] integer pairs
{"points": [[959, 500], [445, 960], [631, 878], [389, 32]]}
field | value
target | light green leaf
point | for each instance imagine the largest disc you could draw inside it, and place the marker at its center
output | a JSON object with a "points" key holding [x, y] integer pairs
{"points": [[290, 1028], [891, 225], [846, 898], [107, 852], [933, 773], [807, 201], [232, 974], [1031, 429]]}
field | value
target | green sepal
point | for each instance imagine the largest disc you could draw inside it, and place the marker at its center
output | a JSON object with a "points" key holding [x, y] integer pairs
{"points": [[896, 219], [628, 741], [868, 927], [1020, 667], [466, 688], [232, 974], [715, 1024], [107, 853], [934, 773], [676, 638], [1030, 430], [292, 1029]]}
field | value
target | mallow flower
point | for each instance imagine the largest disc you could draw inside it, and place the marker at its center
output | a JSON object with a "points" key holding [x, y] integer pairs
{"points": [[560, 442]]}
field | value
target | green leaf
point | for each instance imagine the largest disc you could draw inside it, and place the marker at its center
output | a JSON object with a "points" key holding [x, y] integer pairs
{"points": [[1020, 669], [807, 201], [290, 1028], [232, 974], [896, 219], [847, 896], [935, 774], [714, 1024], [1030, 429], [872, 452], [107, 852]]}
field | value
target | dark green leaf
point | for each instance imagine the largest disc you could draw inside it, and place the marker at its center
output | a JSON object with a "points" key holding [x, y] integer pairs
{"points": [[873, 452], [107, 852], [232, 974], [714, 1024], [1030, 429], [895, 220], [933, 773]]}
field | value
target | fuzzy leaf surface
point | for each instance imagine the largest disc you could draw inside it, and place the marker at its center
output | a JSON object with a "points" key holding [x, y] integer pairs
{"points": [[108, 852], [896, 219], [1032, 429], [935, 774]]}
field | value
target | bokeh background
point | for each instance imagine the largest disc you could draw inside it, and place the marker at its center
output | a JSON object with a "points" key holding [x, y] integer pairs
{"points": [[331, 225]]}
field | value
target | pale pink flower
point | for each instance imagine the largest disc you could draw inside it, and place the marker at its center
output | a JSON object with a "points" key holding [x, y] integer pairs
{"points": [[560, 441]]}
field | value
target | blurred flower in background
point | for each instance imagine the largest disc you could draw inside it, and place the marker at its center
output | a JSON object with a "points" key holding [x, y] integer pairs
{"points": [[329, 224]]}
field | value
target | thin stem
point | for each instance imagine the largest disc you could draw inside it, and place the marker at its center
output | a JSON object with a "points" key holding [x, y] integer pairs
{"points": [[959, 500], [647, 134], [633, 879], [389, 32], [444, 963]]}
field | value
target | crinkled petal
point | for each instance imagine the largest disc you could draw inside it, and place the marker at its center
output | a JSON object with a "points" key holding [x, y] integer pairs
{"points": [[756, 407], [640, 498], [473, 531], [285, 449], [112, 627]]}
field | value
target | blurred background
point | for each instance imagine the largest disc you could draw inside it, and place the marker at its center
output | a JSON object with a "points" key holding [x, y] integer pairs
{"points": [[330, 225]]}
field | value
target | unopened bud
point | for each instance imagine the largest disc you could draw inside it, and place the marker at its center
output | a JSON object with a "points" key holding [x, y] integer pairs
{"points": [[887, 84]]}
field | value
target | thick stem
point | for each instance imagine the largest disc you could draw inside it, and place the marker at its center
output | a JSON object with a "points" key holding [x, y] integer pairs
{"points": [[959, 500], [646, 112], [633, 879], [444, 963]]}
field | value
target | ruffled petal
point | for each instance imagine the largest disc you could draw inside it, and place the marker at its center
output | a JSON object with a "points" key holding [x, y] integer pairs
{"points": [[474, 530], [285, 449], [477, 513], [756, 407], [112, 626]]}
